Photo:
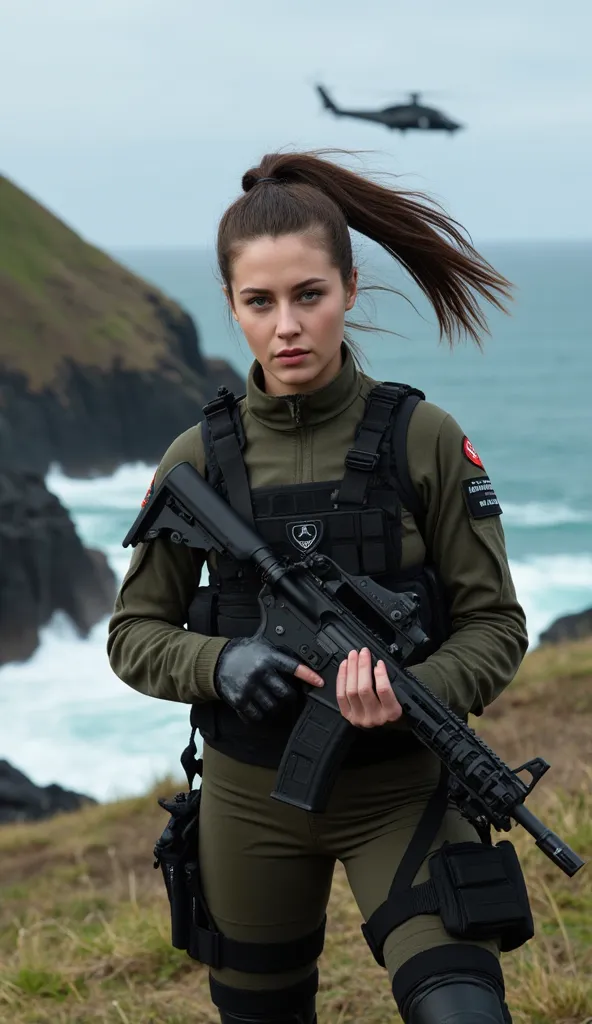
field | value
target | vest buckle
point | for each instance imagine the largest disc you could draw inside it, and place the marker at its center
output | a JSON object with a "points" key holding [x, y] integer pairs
{"points": [[224, 400], [357, 459]]}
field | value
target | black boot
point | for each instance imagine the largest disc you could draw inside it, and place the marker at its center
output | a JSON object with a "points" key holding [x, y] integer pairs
{"points": [[292, 1005], [303, 1015]]}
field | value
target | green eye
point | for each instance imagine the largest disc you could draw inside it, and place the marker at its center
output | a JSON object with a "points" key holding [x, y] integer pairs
{"points": [[257, 299], [310, 293]]}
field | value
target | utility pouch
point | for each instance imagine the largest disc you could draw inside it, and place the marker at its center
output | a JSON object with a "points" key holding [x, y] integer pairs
{"points": [[482, 893], [175, 853]]}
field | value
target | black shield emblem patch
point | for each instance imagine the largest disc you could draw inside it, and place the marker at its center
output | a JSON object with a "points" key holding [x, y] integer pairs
{"points": [[305, 534]]}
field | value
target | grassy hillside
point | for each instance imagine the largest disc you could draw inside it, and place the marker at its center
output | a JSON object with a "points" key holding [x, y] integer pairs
{"points": [[63, 299], [84, 927]]}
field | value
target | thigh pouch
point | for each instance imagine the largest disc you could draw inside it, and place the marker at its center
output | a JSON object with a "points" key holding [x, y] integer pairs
{"points": [[192, 926], [477, 889]]}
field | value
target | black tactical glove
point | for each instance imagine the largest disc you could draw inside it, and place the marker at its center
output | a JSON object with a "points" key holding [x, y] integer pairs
{"points": [[247, 676]]}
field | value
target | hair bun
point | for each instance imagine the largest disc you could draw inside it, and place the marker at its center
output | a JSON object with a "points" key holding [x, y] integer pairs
{"points": [[249, 180]]}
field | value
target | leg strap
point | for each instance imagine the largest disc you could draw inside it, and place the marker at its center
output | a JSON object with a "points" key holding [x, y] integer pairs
{"points": [[210, 946], [387, 916], [292, 1005]]}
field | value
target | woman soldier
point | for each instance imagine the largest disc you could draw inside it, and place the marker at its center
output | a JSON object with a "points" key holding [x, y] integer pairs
{"points": [[320, 455]]}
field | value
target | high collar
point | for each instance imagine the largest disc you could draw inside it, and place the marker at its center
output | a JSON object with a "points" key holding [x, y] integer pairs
{"points": [[289, 412]]}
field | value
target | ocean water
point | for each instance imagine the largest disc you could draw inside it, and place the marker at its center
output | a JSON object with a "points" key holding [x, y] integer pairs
{"points": [[525, 402]]}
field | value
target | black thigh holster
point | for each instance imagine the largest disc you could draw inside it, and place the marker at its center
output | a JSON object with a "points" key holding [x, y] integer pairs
{"points": [[192, 926], [174, 852], [477, 889]]}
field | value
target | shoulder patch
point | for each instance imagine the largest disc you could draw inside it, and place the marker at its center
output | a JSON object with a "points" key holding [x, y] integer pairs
{"points": [[149, 492], [480, 497], [470, 453]]}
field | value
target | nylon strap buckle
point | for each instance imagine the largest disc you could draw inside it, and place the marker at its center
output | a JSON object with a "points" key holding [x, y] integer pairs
{"points": [[360, 460], [224, 401], [386, 392]]}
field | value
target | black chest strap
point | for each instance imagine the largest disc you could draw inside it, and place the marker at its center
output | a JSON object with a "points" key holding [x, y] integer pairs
{"points": [[383, 403], [400, 464], [227, 439], [389, 403]]}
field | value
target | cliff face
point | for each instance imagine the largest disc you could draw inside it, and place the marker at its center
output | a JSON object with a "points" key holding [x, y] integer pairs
{"points": [[97, 367], [98, 420], [44, 568]]}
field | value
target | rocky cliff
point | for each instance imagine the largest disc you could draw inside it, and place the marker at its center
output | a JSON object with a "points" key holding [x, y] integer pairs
{"points": [[569, 627], [22, 800], [97, 367], [44, 567]]}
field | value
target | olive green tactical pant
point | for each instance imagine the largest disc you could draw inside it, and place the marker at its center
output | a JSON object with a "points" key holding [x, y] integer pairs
{"points": [[267, 866]]}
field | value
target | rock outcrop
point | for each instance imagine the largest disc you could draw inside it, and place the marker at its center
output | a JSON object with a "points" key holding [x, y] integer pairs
{"points": [[22, 800], [44, 568], [97, 367], [568, 627]]}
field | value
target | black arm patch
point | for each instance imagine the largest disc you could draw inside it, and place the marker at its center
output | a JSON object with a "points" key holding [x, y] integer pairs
{"points": [[480, 498]]}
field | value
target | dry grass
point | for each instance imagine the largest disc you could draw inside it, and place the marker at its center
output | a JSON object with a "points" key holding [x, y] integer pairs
{"points": [[84, 927]]}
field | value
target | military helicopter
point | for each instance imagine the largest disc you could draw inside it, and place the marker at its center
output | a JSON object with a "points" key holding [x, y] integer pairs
{"points": [[403, 116]]}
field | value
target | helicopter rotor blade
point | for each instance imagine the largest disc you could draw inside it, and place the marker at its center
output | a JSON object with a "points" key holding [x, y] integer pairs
{"points": [[396, 95]]}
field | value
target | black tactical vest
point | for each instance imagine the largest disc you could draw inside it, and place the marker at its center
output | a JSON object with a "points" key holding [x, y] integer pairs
{"points": [[356, 521]]}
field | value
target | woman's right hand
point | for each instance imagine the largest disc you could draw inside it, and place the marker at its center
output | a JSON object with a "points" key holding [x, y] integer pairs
{"points": [[250, 677]]}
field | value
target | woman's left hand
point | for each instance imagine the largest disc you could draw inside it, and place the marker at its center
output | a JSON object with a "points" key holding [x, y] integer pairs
{"points": [[363, 701]]}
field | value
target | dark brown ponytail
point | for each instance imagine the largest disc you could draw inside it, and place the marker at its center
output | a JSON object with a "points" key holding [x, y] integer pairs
{"points": [[307, 192]]}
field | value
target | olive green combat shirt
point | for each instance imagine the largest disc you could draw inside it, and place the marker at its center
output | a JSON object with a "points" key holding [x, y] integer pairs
{"points": [[305, 440]]}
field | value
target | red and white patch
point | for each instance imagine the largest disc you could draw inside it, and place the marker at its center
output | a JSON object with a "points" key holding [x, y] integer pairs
{"points": [[149, 492], [471, 454]]}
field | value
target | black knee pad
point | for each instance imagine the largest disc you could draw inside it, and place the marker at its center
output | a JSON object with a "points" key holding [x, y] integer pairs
{"points": [[293, 1005], [451, 984], [456, 999]]}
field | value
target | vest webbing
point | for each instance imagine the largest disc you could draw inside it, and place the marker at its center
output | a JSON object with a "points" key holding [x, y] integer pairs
{"points": [[384, 401], [362, 534], [227, 439]]}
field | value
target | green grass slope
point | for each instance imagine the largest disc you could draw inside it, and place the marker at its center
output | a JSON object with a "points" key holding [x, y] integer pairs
{"points": [[84, 926], [62, 299]]}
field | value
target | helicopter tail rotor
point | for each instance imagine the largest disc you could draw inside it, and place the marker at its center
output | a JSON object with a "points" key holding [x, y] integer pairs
{"points": [[327, 101]]}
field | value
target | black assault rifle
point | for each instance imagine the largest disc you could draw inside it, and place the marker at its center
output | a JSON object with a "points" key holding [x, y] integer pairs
{"points": [[319, 613]]}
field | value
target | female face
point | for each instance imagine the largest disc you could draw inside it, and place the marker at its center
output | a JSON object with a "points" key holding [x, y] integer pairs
{"points": [[290, 303]]}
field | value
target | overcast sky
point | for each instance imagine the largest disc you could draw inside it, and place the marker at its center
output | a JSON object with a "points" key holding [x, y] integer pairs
{"points": [[135, 119]]}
